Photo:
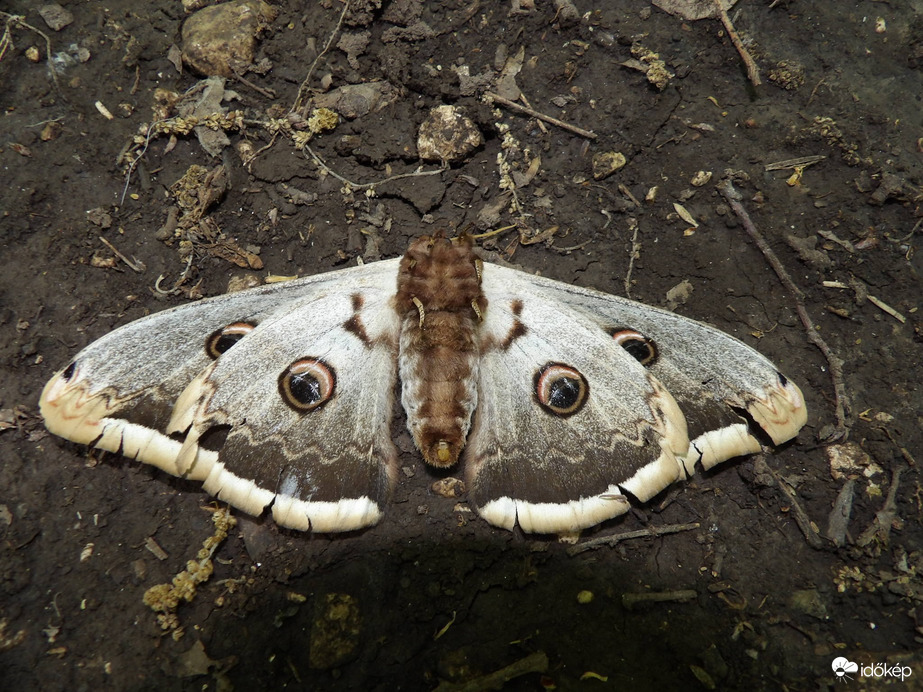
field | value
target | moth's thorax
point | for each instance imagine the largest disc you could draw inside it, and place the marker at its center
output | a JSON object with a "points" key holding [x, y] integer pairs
{"points": [[440, 302]]}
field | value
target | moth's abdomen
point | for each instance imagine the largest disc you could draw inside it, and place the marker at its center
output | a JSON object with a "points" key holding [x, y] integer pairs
{"points": [[438, 367], [440, 302]]}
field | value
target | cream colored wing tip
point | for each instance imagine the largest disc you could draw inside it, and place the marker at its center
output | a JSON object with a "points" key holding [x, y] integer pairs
{"points": [[782, 412], [69, 412]]}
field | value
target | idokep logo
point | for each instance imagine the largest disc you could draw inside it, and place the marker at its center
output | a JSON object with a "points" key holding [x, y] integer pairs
{"points": [[842, 667]]}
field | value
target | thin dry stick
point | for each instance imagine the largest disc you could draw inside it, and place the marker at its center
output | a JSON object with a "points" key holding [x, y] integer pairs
{"points": [[268, 93], [134, 265], [541, 125], [541, 116], [302, 90], [753, 72], [533, 663], [6, 42], [364, 186], [635, 254], [727, 190], [808, 528], [641, 533], [632, 600], [131, 167], [908, 457]]}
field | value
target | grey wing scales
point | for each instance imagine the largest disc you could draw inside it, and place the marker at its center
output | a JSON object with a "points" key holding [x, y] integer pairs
{"points": [[554, 474], [139, 389]]}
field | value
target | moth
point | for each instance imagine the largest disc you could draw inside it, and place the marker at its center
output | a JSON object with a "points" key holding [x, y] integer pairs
{"points": [[560, 403]]}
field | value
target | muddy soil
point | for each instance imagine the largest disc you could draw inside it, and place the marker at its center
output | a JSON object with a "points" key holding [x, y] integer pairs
{"points": [[755, 596]]}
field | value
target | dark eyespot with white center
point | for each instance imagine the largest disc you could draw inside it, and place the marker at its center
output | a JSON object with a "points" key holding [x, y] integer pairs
{"points": [[222, 339], [307, 384], [641, 348], [561, 389]]}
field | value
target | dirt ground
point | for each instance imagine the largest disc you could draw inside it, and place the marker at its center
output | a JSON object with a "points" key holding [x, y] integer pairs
{"points": [[433, 596]]}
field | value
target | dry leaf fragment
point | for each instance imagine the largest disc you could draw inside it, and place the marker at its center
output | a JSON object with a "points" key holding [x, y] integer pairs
{"points": [[155, 549], [447, 134], [700, 178], [693, 10], [685, 215], [449, 487], [8, 641], [193, 662], [87, 552], [103, 111], [506, 83], [7, 421], [228, 249], [850, 459], [51, 633], [605, 163], [523, 179], [51, 131], [679, 294]]}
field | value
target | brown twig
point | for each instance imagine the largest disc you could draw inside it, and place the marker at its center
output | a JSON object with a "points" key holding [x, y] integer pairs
{"points": [[268, 93], [753, 72], [133, 264], [633, 600], [302, 90], [880, 528], [365, 186], [641, 533], [533, 663], [727, 190], [808, 528], [908, 457], [541, 116], [800, 162], [6, 42], [541, 125], [633, 226]]}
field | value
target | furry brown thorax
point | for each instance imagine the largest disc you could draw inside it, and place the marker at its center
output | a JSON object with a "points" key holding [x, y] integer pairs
{"points": [[441, 304]]}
